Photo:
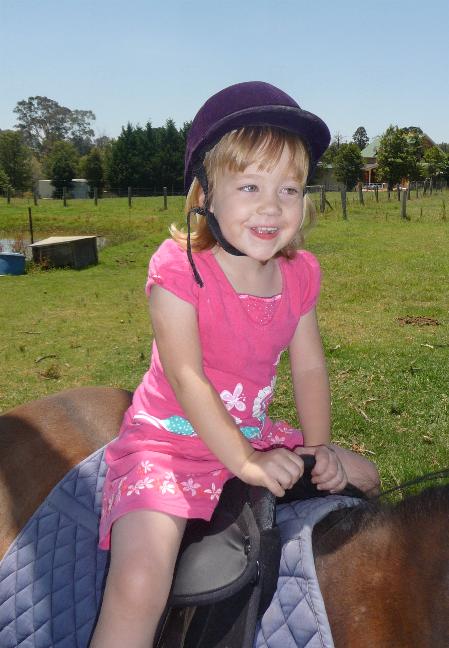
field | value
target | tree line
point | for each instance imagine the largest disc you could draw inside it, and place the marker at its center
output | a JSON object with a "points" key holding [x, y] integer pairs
{"points": [[52, 141], [401, 155]]}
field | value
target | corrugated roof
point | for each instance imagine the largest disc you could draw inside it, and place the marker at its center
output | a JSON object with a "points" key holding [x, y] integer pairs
{"points": [[370, 150]]}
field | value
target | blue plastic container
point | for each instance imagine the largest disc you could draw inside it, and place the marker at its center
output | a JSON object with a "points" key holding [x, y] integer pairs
{"points": [[12, 263]]}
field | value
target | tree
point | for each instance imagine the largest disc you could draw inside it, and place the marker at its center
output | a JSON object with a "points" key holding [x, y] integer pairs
{"points": [[348, 165], [5, 183], [169, 158], [43, 121], [394, 157], [147, 157], [360, 138], [15, 159], [437, 161], [102, 142], [128, 166], [93, 169], [329, 155], [61, 164]]}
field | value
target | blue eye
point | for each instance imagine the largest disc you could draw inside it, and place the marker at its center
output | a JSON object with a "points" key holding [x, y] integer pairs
{"points": [[291, 191], [248, 188]]}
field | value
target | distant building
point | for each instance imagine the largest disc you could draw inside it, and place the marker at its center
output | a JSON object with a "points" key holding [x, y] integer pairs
{"points": [[79, 189], [369, 157]]}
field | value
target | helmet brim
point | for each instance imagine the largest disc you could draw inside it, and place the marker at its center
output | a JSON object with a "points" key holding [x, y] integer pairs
{"points": [[308, 127]]}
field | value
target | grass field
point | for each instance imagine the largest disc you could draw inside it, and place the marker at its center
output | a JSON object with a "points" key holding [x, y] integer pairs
{"points": [[382, 276]]}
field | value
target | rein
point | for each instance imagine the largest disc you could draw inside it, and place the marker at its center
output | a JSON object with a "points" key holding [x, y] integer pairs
{"points": [[433, 476]]}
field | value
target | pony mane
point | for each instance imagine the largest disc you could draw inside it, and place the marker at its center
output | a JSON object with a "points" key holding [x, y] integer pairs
{"points": [[337, 528]]}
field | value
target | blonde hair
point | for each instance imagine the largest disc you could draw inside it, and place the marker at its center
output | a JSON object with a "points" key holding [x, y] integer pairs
{"points": [[235, 152]]}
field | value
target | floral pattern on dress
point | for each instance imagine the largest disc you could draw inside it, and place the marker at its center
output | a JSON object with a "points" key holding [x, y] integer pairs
{"points": [[263, 398], [175, 423], [213, 491], [235, 400], [190, 486], [147, 466], [279, 433]]}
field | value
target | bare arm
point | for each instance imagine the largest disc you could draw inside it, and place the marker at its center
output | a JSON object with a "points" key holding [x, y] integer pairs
{"points": [[312, 397], [310, 381], [334, 465], [176, 331]]}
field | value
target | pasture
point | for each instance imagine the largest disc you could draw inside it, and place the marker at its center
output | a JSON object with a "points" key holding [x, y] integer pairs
{"points": [[384, 315]]}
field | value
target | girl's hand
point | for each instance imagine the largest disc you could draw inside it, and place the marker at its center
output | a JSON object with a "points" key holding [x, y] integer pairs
{"points": [[328, 473], [276, 469]]}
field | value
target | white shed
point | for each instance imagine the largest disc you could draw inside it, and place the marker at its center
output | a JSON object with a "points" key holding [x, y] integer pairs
{"points": [[79, 189]]}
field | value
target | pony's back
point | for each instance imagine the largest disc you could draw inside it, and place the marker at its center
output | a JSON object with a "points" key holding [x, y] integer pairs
{"points": [[383, 572]]}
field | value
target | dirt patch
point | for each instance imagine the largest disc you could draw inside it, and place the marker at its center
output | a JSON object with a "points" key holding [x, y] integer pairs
{"points": [[418, 320]]}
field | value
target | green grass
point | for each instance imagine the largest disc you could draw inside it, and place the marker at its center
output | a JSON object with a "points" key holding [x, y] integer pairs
{"points": [[62, 328], [111, 218]]}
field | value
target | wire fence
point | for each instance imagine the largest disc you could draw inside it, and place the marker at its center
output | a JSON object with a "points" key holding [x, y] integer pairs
{"points": [[86, 192]]}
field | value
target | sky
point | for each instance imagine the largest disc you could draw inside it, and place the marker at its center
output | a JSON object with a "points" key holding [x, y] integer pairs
{"points": [[353, 63]]}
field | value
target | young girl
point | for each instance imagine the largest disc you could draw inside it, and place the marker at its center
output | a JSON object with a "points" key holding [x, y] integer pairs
{"points": [[225, 301]]}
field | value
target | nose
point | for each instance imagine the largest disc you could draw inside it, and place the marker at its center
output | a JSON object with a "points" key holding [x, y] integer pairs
{"points": [[269, 203]]}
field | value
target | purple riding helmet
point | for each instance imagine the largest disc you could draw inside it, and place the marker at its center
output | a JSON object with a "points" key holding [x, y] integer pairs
{"points": [[253, 103]]}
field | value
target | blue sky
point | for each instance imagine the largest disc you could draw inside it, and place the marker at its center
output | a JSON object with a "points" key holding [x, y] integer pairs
{"points": [[352, 62]]}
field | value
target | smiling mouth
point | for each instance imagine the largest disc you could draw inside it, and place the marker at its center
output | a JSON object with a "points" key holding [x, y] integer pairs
{"points": [[265, 232]]}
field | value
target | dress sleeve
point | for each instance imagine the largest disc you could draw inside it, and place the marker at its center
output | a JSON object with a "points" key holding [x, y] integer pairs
{"points": [[310, 280], [170, 269]]}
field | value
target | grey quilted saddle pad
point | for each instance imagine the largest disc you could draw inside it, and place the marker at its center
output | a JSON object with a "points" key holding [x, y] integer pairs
{"points": [[52, 577], [296, 617]]}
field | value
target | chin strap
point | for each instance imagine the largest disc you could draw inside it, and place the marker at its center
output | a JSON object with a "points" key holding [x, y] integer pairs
{"points": [[214, 227], [212, 222], [196, 274]]}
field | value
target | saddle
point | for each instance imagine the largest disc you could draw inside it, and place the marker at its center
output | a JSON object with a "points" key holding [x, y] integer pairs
{"points": [[52, 577]]}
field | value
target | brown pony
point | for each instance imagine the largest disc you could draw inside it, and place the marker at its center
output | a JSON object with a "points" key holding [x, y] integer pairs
{"points": [[42, 440], [383, 569]]}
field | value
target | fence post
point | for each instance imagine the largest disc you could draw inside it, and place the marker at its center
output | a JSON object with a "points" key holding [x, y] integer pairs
{"points": [[417, 190], [399, 192], [376, 193], [404, 204], [408, 191], [322, 199], [431, 186], [8, 195], [343, 203], [164, 189], [30, 220], [35, 197], [359, 188], [130, 196], [64, 196], [96, 196]]}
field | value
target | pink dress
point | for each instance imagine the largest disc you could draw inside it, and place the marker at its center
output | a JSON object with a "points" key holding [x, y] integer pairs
{"points": [[158, 462]]}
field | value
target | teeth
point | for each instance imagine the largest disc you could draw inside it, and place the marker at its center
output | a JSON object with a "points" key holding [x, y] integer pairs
{"points": [[265, 230]]}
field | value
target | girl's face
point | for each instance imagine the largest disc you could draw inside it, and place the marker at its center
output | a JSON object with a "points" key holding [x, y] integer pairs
{"points": [[259, 211]]}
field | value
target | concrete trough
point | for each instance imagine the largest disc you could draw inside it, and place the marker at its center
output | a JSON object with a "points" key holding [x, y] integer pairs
{"points": [[66, 251]]}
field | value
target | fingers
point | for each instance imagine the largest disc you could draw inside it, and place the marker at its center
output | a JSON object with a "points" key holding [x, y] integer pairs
{"points": [[276, 469], [328, 473], [289, 467], [275, 488]]}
